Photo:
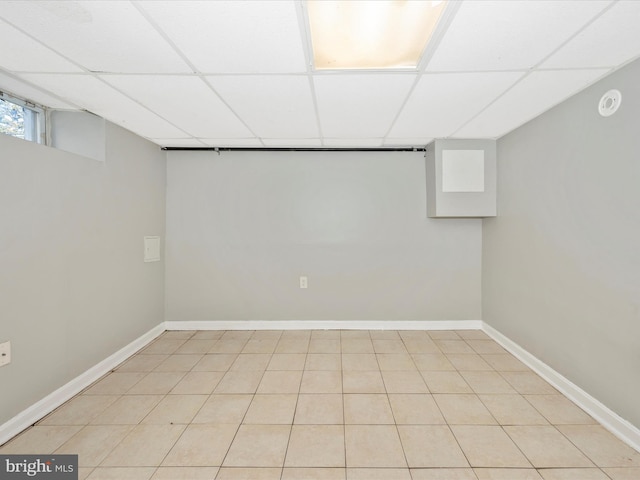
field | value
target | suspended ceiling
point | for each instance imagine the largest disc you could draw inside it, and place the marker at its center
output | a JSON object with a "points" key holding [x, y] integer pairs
{"points": [[240, 73]]}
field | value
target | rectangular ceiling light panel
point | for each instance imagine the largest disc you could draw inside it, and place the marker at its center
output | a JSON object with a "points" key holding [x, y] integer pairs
{"points": [[371, 34]]}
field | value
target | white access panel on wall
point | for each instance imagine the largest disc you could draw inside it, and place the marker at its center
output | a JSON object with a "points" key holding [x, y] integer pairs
{"points": [[151, 249], [461, 178]]}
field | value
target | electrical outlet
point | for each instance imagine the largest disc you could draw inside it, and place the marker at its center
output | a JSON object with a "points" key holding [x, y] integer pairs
{"points": [[5, 353], [303, 282]]}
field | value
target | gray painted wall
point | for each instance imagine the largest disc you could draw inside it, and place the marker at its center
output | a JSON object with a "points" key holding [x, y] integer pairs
{"points": [[242, 227], [561, 262], [73, 285]]}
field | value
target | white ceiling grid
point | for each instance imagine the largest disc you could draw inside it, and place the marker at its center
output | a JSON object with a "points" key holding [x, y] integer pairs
{"points": [[239, 73]]}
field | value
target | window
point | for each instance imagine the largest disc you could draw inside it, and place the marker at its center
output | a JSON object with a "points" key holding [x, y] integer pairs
{"points": [[21, 119]]}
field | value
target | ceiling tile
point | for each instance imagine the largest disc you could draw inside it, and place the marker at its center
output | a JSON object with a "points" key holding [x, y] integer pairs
{"points": [[509, 35], [231, 142], [442, 103], [359, 106], [352, 142], [20, 88], [232, 36], [292, 142], [611, 40], [183, 100], [534, 95], [178, 142], [102, 36], [95, 96], [407, 142], [273, 106], [32, 56]]}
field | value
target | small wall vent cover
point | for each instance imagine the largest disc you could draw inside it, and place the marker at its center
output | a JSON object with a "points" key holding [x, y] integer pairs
{"points": [[609, 103]]}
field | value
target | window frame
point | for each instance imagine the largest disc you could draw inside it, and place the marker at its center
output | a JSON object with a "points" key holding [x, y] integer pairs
{"points": [[37, 128]]}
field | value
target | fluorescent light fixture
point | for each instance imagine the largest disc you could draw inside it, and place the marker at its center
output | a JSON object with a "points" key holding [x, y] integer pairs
{"points": [[363, 34]]}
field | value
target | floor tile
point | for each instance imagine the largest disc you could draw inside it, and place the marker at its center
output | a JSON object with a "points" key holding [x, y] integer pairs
{"points": [[122, 473], [196, 345], [355, 334], [415, 409], [573, 474], [228, 346], [373, 446], [422, 346], [559, 410], [166, 345], [215, 362], [304, 443], [223, 409], [127, 410], [443, 474], [322, 345], [319, 409], [145, 446], [287, 361], [507, 474], [487, 382], [463, 410], [179, 363], [505, 362], [489, 446], [512, 410], [239, 473], [445, 382], [251, 362], [404, 382], [201, 446], [472, 335], [142, 363], [389, 346], [432, 361], [359, 362], [604, 449], [396, 361], [292, 345], [271, 409], [239, 382], [40, 439], [322, 382], [356, 345], [116, 383], [175, 409], [313, 474], [323, 361], [367, 409], [259, 446], [468, 362], [280, 382], [528, 383], [384, 335], [93, 443], [444, 335], [207, 335], [197, 383], [156, 383], [453, 346], [80, 410], [263, 345], [623, 473], [485, 346], [362, 382], [185, 473], [378, 474], [546, 447], [442, 451]]}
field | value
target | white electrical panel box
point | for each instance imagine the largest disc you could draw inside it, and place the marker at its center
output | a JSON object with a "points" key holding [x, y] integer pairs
{"points": [[151, 249]]}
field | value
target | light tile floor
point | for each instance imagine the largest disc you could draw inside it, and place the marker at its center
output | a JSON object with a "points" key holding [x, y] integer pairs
{"points": [[297, 405]]}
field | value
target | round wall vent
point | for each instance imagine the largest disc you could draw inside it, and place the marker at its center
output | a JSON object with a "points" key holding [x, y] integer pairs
{"points": [[609, 103]]}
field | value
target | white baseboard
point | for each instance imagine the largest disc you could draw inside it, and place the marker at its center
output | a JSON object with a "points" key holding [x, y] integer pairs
{"points": [[324, 325], [52, 401], [617, 425]]}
